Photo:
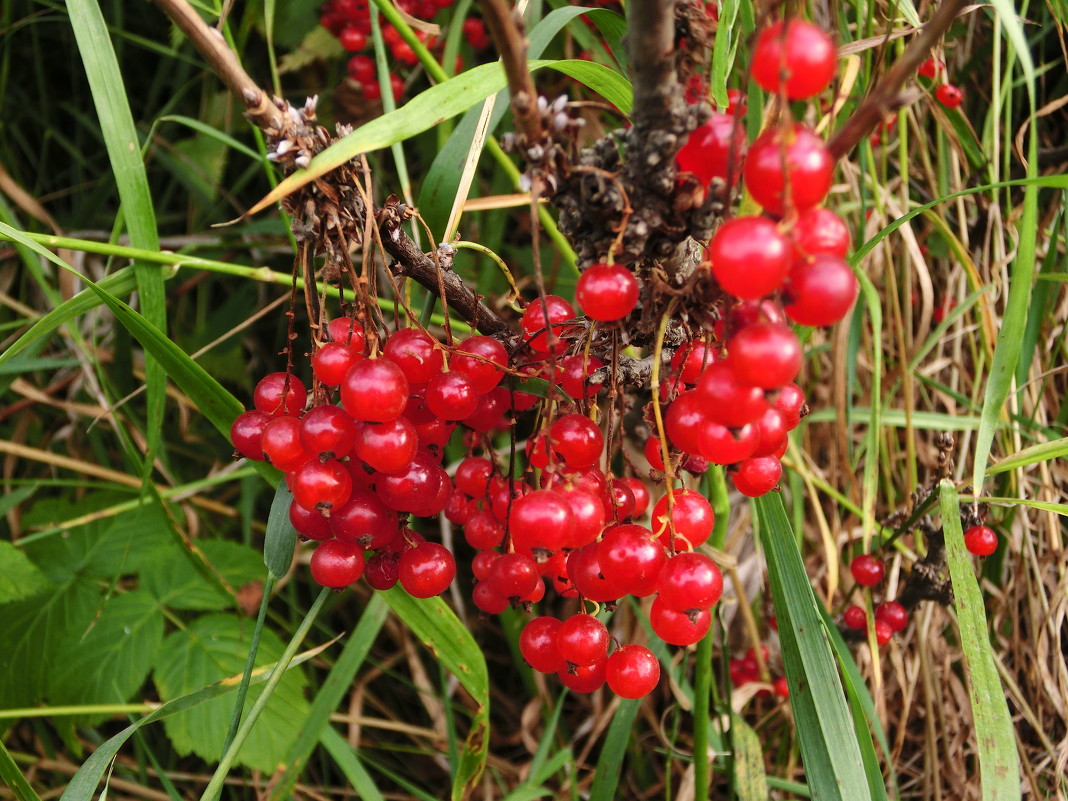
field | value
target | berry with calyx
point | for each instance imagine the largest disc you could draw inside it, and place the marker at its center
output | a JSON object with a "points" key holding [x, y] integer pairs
{"points": [[582, 640], [426, 570], [337, 564]]}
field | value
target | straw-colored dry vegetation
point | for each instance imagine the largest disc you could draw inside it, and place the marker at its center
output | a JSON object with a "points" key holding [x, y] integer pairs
{"points": [[916, 360]]}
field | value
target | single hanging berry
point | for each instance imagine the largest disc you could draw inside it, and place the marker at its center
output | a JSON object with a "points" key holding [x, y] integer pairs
{"points": [[795, 57]]}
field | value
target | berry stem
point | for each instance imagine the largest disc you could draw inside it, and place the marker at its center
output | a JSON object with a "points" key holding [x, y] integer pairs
{"points": [[702, 690]]}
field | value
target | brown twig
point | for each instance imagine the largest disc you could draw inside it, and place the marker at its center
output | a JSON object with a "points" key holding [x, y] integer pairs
{"points": [[506, 30], [886, 97], [658, 98], [270, 116]]}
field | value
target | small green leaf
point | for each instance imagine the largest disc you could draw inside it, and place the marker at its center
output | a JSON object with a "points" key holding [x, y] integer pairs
{"points": [[281, 539], [212, 648], [750, 780], [606, 775], [999, 761], [109, 661], [1042, 452], [177, 583], [19, 577], [834, 767], [437, 626], [13, 778]]}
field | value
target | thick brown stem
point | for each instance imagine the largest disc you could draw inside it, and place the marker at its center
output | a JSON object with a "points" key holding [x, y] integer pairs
{"points": [[658, 98], [505, 28], [886, 97]]}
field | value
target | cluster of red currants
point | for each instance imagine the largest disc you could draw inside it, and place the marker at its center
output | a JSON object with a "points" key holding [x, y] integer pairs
{"points": [[785, 265], [350, 22], [948, 94], [746, 670], [890, 616]]}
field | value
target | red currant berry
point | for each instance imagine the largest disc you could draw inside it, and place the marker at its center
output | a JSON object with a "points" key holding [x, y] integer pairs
{"points": [[482, 359], [451, 395], [309, 523], [980, 540], [388, 447], [586, 678], [930, 68], [246, 433], [715, 150], [821, 291], [537, 644], [771, 434], [893, 614], [322, 485], [426, 570], [750, 258], [676, 627], [691, 359], [482, 531], [332, 361], [269, 392], [536, 329], [757, 476], [375, 391], [689, 581], [582, 640], [622, 502], [780, 687], [382, 570], [577, 440], [631, 557], [336, 564], [766, 355], [855, 617], [632, 671], [587, 577], [541, 519], [790, 400], [728, 399], [475, 33], [352, 39], [722, 445], [867, 570], [641, 494], [328, 432], [691, 516], [820, 232], [364, 521], [809, 166], [513, 575], [573, 377], [281, 443], [684, 422], [795, 57], [417, 354], [883, 632], [607, 292], [473, 475], [949, 95], [654, 454]]}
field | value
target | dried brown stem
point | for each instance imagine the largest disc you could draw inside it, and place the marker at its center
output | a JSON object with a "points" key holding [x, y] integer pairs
{"points": [[269, 116], [506, 29], [886, 97]]}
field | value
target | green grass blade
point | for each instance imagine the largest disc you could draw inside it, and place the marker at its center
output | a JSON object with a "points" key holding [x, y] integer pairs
{"points": [[120, 139], [349, 764], [281, 539], [1042, 452], [339, 681], [834, 767], [436, 104], [750, 780], [999, 762], [606, 775], [437, 626], [13, 778]]}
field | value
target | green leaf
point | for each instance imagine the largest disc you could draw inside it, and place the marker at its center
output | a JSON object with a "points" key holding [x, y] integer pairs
{"points": [[177, 584], [13, 778], [606, 775], [436, 104], [437, 626], [281, 538], [999, 761], [1042, 452], [348, 762], [120, 139], [110, 660], [750, 780], [19, 577], [212, 648], [834, 767], [337, 684]]}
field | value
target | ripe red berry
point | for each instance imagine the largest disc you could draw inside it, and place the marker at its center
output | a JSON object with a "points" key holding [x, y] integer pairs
{"points": [[820, 291], [980, 540], [269, 392], [387, 447], [322, 485], [582, 640], [577, 440], [794, 56], [757, 476], [585, 678], [382, 570], [281, 443], [930, 68], [375, 390], [893, 614], [475, 33], [541, 519], [690, 581], [575, 374], [426, 570], [808, 164], [728, 399], [417, 354], [481, 359], [676, 627], [722, 445], [631, 557], [632, 671], [473, 475], [362, 69], [641, 494], [949, 95], [780, 687], [352, 39], [583, 568], [691, 516], [691, 359], [766, 355], [536, 330], [328, 432], [789, 400], [348, 330], [750, 258], [336, 564], [451, 395], [513, 575], [883, 632], [607, 292], [246, 433], [537, 644], [855, 617], [819, 231], [364, 521], [867, 570], [684, 422], [309, 523], [714, 150]]}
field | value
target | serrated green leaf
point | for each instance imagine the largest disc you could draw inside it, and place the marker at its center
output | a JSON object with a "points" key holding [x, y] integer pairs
{"points": [[110, 660], [19, 577], [833, 764], [437, 626], [177, 584], [750, 780], [281, 538], [212, 648], [999, 761]]}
